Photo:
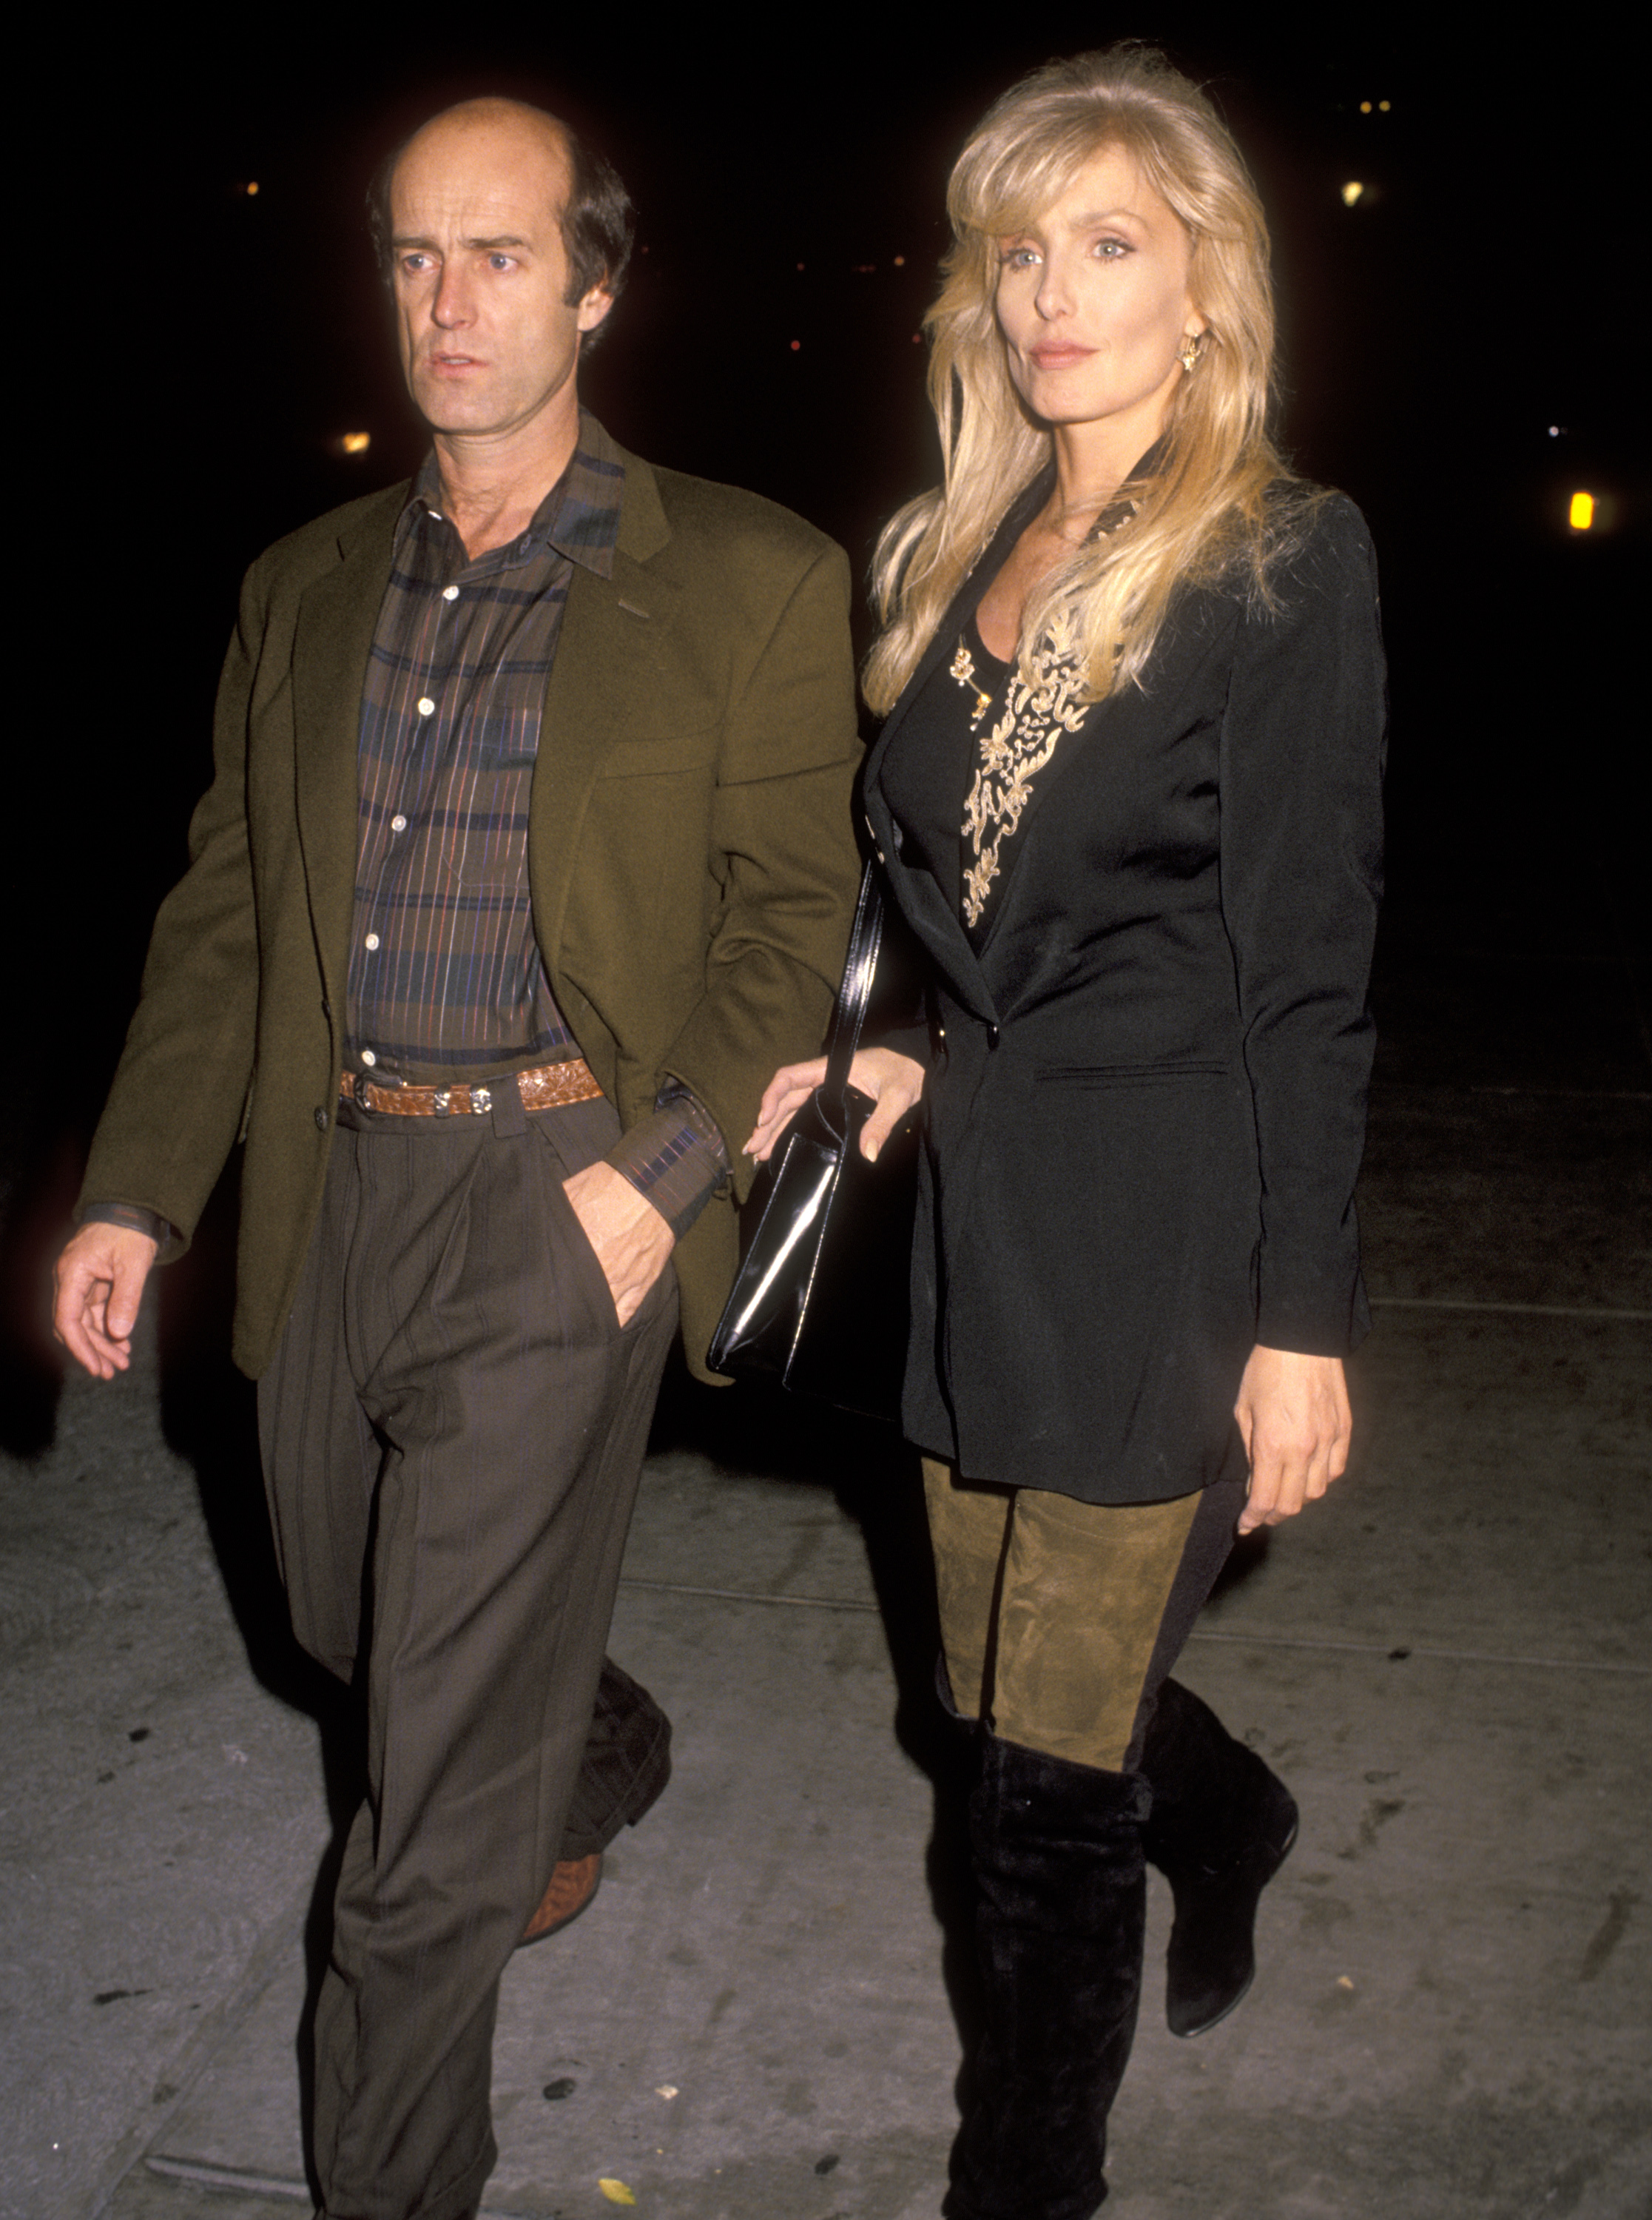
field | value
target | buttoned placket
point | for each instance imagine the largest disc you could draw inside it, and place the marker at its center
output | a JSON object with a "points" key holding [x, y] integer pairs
{"points": [[424, 708]]}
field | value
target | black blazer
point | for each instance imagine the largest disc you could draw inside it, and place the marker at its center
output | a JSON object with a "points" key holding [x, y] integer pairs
{"points": [[1147, 1105]]}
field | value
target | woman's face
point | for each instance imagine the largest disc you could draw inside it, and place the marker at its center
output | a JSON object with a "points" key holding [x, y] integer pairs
{"points": [[1093, 302]]}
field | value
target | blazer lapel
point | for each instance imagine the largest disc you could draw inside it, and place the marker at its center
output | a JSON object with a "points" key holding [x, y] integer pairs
{"points": [[605, 666], [922, 903], [332, 640]]}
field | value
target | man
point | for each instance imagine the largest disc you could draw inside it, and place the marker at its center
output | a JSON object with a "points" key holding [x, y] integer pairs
{"points": [[526, 861]]}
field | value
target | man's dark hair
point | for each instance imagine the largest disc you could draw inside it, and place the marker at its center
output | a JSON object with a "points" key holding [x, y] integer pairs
{"points": [[598, 223]]}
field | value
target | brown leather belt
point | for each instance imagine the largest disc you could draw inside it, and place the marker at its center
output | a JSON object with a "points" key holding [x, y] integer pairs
{"points": [[547, 1087]]}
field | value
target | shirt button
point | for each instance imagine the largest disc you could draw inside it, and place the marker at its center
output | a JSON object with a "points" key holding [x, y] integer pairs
{"points": [[371, 941], [450, 593], [321, 1121], [426, 707], [398, 824], [368, 1058]]}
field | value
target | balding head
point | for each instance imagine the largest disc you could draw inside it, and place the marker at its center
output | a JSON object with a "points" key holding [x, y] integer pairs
{"points": [[593, 207]]}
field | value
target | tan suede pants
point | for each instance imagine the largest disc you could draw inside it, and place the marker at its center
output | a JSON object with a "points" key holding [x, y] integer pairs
{"points": [[1061, 1619]]}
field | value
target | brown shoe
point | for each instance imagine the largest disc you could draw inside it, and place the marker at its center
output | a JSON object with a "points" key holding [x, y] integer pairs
{"points": [[572, 1886]]}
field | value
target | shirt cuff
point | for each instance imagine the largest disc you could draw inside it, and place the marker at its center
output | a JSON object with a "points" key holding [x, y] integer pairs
{"points": [[137, 1220], [676, 1159]]}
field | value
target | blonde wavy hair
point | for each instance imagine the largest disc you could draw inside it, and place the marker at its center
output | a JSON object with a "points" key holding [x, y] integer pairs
{"points": [[1203, 509]]}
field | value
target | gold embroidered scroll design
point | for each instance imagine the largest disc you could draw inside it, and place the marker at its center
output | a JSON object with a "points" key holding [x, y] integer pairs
{"points": [[1014, 750], [1023, 741]]}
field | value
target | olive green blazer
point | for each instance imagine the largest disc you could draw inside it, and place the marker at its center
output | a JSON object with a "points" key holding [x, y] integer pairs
{"points": [[690, 856]]}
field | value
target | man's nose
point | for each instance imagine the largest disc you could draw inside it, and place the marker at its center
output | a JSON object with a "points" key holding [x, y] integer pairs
{"points": [[452, 306]]}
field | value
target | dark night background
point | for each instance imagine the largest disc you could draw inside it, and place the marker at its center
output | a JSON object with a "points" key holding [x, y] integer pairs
{"points": [[207, 347]]}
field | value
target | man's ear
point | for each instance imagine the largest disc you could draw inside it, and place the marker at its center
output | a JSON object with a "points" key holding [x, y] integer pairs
{"points": [[594, 308]]}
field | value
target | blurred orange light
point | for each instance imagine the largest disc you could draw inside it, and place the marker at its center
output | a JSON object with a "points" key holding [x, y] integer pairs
{"points": [[1365, 108], [254, 187], [1384, 106], [356, 443], [899, 261], [1580, 516], [1351, 192]]}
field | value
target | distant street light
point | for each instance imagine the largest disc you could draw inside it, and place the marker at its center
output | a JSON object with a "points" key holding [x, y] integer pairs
{"points": [[1580, 516], [1351, 192]]}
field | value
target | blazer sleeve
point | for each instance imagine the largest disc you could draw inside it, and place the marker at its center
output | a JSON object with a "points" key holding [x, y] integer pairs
{"points": [[181, 1086], [1301, 761], [784, 856]]}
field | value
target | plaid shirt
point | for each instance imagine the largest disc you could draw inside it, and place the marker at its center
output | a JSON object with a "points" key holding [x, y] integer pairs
{"points": [[445, 974], [445, 980]]}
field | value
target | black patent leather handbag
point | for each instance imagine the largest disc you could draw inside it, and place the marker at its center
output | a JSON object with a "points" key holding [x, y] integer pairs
{"points": [[820, 1300]]}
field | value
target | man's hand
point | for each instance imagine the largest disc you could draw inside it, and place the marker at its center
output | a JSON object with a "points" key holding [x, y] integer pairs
{"points": [[1292, 1410], [100, 1280], [631, 1240], [893, 1082]]}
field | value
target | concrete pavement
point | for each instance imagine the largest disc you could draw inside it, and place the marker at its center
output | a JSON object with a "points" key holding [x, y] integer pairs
{"points": [[1449, 1660]]}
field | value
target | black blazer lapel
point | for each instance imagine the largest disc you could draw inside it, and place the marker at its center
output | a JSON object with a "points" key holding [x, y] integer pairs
{"points": [[920, 900]]}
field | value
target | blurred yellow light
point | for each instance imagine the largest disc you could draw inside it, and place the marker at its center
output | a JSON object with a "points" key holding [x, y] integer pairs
{"points": [[1580, 516], [1383, 105], [1365, 108], [1352, 193], [356, 443]]}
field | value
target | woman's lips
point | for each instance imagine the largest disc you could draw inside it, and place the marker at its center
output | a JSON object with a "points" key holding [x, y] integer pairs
{"points": [[1058, 356]]}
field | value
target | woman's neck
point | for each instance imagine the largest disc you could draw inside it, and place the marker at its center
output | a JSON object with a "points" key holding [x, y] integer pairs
{"points": [[1092, 461]]}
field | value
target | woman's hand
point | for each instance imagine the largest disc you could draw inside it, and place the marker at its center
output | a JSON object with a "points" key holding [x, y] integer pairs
{"points": [[1292, 1411], [893, 1083]]}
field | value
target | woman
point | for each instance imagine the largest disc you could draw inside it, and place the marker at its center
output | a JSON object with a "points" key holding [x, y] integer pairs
{"points": [[1127, 799]]}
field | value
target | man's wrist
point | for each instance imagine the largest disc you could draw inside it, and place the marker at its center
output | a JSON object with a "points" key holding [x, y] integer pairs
{"points": [[136, 1219], [676, 1159]]}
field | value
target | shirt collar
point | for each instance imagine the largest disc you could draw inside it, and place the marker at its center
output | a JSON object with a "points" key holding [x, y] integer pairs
{"points": [[579, 517]]}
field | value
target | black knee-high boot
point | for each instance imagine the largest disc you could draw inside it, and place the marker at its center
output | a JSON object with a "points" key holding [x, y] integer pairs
{"points": [[1060, 1889], [1220, 1827]]}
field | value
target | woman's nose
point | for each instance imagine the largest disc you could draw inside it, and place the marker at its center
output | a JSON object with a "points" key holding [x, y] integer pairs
{"points": [[1054, 296]]}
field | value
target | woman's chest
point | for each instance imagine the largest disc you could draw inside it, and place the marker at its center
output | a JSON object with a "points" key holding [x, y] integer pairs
{"points": [[1010, 789]]}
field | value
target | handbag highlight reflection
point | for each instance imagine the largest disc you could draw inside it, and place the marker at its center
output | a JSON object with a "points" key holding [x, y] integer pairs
{"points": [[821, 1300]]}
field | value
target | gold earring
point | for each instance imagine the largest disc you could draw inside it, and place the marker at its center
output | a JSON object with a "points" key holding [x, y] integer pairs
{"points": [[1188, 353]]}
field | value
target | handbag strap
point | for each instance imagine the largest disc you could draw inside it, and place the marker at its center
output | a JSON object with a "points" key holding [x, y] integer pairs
{"points": [[848, 1015]]}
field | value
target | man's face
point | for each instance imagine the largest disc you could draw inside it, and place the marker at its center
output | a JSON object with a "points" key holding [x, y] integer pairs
{"points": [[488, 339]]}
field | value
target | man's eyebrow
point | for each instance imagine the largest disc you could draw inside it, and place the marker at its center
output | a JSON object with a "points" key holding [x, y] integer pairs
{"points": [[480, 245]]}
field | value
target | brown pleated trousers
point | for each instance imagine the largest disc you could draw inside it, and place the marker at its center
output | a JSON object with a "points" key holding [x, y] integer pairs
{"points": [[452, 1433]]}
